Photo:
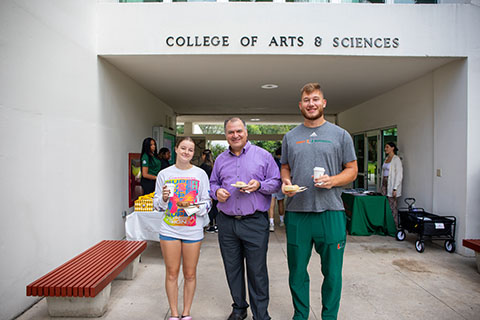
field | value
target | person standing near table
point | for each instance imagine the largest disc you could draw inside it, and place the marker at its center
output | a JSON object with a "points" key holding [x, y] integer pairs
{"points": [[316, 217], [150, 164], [207, 165], [243, 220], [164, 155], [277, 197], [181, 230], [392, 177]]}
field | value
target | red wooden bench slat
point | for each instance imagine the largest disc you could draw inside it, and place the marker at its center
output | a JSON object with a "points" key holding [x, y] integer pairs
{"points": [[122, 262], [36, 287], [75, 285], [103, 267], [473, 244], [87, 264], [75, 265], [89, 272], [63, 269], [95, 271], [48, 280], [79, 267], [92, 268]]}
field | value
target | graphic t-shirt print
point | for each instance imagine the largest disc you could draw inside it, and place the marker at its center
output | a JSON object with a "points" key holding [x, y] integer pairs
{"points": [[186, 189]]}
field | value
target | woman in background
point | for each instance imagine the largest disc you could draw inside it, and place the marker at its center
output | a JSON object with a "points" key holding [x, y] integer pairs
{"points": [[181, 230], [150, 164], [207, 165], [164, 155], [392, 177]]}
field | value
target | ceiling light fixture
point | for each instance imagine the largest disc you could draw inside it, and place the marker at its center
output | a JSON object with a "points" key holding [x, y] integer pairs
{"points": [[255, 119], [269, 86]]}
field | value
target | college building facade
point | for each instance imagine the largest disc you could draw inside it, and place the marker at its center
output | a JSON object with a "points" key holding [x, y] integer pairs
{"points": [[71, 109]]}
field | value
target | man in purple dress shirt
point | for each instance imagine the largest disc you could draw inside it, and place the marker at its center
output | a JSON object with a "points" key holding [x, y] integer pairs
{"points": [[243, 219]]}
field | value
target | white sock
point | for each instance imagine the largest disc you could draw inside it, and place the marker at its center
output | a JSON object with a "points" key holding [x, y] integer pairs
{"points": [[281, 218], [271, 220]]}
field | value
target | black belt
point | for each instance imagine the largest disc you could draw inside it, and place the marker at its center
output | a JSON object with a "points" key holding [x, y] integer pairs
{"points": [[241, 217]]}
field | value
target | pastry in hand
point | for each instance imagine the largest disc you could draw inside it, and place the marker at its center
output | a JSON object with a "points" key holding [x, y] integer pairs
{"points": [[291, 188], [184, 204], [240, 184]]}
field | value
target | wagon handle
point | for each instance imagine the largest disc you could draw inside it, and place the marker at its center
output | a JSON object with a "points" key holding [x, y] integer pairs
{"points": [[410, 202]]}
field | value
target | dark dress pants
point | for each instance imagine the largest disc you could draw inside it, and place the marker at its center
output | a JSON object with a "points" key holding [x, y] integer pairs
{"points": [[244, 242]]}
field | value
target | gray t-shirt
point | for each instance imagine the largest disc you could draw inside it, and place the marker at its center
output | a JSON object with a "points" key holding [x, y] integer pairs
{"points": [[303, 148]]}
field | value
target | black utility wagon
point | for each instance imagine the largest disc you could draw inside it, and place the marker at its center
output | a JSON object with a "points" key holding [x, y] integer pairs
{"points": [[416, 220]]}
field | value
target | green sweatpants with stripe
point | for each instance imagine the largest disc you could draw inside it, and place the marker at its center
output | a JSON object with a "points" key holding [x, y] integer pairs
{"points": [[326, 232]]}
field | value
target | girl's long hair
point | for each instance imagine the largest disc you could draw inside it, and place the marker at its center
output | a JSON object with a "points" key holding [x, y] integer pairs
{"points": [[146, 149], [394, 146], [208, 157]]}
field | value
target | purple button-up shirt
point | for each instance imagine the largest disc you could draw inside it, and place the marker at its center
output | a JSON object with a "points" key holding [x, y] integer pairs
{"points": [[253, 163]]}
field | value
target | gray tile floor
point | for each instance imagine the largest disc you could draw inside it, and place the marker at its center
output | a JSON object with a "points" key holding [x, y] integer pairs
{"points": [[383, 279]]}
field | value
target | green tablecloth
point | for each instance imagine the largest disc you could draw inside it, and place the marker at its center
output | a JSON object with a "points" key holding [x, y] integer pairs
{"points": [[368, 215]]}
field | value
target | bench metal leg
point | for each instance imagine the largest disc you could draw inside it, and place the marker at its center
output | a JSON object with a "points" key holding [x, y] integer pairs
{"points": [[79, 306]]}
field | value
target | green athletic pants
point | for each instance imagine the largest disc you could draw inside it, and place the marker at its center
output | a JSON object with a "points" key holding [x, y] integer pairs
{"points": [[327, 232]]}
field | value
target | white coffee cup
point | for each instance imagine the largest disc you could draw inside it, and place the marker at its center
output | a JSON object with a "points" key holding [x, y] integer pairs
{"points": [[171, 189], [318, 172]]}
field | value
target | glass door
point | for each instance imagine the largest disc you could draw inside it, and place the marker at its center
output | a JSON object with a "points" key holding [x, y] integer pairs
{"points": [[369, 156], [373, 161], [388, 135], [359, 143]]}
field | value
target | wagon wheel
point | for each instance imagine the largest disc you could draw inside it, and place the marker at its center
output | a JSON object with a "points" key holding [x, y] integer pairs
{"points": [[450, 246], [400, 236], [420, 246]]}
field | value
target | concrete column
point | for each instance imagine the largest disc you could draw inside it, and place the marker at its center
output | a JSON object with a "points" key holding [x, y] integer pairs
{"points": [[188, 128]]}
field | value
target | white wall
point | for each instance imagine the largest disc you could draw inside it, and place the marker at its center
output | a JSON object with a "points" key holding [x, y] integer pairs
{"points": [[431, 116], [450, 144], [410, 108], [142, 28], [473, 132], [67, 123]]}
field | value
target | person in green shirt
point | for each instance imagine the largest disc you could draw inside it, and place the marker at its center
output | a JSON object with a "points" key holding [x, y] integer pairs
{"points": [[150, 164]]}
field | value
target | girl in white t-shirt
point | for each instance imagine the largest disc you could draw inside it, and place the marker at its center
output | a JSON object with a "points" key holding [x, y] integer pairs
{"points": [[181, 230]]}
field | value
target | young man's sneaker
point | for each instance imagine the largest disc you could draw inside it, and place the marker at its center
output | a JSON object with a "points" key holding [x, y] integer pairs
{"points": [[211, 229], [216, 228], [272, 227], [282, 224]]}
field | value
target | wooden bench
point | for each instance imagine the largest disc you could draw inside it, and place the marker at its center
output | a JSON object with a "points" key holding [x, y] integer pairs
{"points": [[473, 244], [81, 286]]}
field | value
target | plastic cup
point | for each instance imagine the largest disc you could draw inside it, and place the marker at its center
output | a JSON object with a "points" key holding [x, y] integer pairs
{"points": [[318, 172], [171, 189]]}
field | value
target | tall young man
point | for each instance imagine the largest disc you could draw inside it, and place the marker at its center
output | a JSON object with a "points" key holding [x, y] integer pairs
{"points": [[316, 217]]}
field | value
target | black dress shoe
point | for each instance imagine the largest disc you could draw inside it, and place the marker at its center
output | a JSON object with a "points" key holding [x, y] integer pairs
{"points": [[238, 315]]}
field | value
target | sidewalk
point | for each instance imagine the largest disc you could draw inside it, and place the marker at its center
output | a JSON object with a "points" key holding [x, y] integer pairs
{"points": [[383, 279]]}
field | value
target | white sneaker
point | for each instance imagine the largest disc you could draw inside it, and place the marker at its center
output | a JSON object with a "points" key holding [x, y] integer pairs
{"points": [[282, 224], [272, 227]]}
